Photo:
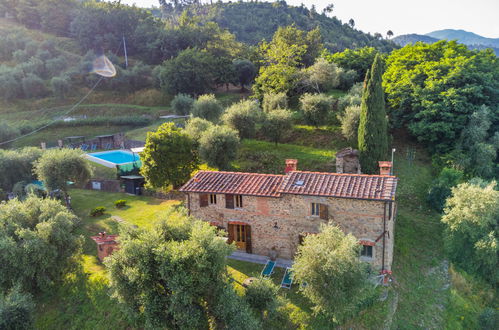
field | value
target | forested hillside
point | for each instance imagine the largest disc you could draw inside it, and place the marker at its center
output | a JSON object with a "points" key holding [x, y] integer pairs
{"points": [[251, 22], [412, 38]]}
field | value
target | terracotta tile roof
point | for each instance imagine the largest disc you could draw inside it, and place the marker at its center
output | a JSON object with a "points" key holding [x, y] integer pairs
{"points": [[359, 186], [234, 183]]}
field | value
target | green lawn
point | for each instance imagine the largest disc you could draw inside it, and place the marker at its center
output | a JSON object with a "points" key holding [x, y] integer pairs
{"points": [[83, 301]]}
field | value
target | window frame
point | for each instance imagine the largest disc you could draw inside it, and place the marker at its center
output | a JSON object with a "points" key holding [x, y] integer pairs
{"points": [[315, 209], [366, 248], [212, 199], [238, 201]]}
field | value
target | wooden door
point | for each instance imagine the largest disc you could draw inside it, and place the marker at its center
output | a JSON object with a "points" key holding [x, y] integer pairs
{"points": [[240, 234]]}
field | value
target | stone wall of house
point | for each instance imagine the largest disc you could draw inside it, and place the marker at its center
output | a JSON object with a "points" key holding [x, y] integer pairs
{"points": [[277, 223]]}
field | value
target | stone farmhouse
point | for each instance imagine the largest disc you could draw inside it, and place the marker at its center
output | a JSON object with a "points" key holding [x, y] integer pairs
{"points": [[270, 214]]}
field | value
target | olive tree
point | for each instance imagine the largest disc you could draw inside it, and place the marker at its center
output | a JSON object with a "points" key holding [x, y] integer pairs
{"points": [[471, 232], [174, 275], [349, 120], [243, 117], [57, 167], [336, 278], [275, 101], [207, 107], [276, 124], [196, 126], [39, 243], [182, 104], [315, 108], [218, 146]]}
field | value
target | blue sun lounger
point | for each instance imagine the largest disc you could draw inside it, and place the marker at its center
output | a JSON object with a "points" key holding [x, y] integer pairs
{"points": [[287, 279], [269, 268], [93, 147], [84, 147]]}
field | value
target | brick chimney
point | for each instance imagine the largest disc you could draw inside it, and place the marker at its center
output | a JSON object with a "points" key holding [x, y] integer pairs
{"points": [[291, 165], [385, 168]]}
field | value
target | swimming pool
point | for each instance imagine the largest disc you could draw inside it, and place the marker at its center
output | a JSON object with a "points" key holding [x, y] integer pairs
{"points": [[113, 157]]}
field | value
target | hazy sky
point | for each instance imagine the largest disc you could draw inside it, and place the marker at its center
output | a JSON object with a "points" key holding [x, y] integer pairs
{"points": [[403, 16]]}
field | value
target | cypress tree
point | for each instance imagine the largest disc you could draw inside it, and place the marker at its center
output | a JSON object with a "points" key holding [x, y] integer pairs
{"points": [[373, 135]]}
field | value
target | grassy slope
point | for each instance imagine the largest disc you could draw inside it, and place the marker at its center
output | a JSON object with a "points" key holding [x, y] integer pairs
{"points": [[83, 301]]}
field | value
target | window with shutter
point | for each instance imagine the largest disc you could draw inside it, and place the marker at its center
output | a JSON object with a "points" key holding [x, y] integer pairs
{"points": [[203, 200], [229, 201], [315, 209]]}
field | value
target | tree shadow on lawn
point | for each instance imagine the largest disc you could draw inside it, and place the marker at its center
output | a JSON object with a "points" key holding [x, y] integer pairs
{"points": [[81, 301]]}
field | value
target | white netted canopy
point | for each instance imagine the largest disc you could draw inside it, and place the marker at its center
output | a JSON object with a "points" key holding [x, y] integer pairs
{"points": [[103, 67]]}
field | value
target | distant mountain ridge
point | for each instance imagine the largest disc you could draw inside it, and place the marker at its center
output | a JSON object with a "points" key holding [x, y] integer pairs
{"points": [[470, 39], [412, 38], [464, 37]]}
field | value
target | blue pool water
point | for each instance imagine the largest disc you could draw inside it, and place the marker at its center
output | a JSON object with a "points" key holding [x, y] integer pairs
{"points": [[116, 156]]}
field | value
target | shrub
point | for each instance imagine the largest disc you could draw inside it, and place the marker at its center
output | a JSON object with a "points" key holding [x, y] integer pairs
{"points": [[182, 104], [242, 117], [207, 107], [315, 108], [275, 101], [98, 211], [196, 127], [120, 203], [350, 122], [218, 146], [16, 310], [276, 124]]}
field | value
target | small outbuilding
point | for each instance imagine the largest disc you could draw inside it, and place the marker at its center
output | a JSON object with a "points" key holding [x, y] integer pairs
{"points": [[133, 184], [106, 244]]}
